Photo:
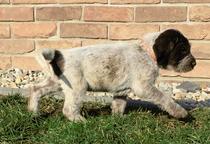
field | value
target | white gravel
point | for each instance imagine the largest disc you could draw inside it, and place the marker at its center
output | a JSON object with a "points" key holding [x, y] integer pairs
{"points": [[17, 78]]}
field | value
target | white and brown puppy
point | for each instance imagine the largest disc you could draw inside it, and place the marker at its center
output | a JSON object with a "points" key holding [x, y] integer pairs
{"points": [[119, 68]]}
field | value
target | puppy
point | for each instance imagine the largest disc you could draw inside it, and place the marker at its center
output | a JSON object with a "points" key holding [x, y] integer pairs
{"points": [[119, 68]]}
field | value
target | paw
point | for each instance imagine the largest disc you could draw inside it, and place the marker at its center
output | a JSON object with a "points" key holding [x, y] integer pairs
{"points": [[118, 106], [117, 111], [32, 104], [76, 118], [73, 115], [32, 108], [179, 112]]}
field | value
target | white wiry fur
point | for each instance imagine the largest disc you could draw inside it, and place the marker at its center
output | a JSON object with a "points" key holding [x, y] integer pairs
{"points": [[118, 68], [48, 54]]}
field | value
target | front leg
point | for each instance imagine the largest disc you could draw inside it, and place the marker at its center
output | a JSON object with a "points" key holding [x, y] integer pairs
{"points": [[72, 104], [166, 103], [74, 96]]}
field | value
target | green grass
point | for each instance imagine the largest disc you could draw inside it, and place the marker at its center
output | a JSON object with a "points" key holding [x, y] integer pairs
{"points": [[138, 126]]}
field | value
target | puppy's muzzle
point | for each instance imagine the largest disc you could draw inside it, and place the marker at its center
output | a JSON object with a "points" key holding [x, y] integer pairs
{"points": [[187, 63]]}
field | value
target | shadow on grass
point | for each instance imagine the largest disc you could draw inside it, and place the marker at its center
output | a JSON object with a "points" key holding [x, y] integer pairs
{"points": [[133, 106]]}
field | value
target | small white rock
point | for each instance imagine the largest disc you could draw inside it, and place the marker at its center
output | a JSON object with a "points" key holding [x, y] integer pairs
{"points": [[18, 80], [175, 90], [180, 95], [13, 85]]}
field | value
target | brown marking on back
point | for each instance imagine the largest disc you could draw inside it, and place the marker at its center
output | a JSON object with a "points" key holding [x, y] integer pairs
{"points": [[113, 67]]}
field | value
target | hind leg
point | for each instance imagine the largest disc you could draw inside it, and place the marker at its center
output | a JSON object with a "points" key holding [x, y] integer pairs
{"points": [[166, 103], [119, 104], [40, 89]]}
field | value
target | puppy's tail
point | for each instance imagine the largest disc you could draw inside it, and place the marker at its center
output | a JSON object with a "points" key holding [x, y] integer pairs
{"points": [[56, 60], [48, 54]]}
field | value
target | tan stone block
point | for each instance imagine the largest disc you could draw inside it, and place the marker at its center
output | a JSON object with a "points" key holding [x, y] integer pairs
{"points": [[33, 30], [161, 13], [105, 13], [131, 31], [83, 30], [58, 13], [4, 31], [16, 46], [25, 62], [16, 14], [192, 31], [56, 44]]}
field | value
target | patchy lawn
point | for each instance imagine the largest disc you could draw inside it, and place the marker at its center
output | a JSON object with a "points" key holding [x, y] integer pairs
{"points": [[138, 126]]}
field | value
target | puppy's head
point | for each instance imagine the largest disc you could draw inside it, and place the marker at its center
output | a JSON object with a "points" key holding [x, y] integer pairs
{"points": [[172, 51]]}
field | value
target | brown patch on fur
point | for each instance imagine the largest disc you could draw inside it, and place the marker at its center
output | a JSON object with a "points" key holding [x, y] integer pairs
{"points": [[113, 67], [101, 85]]}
